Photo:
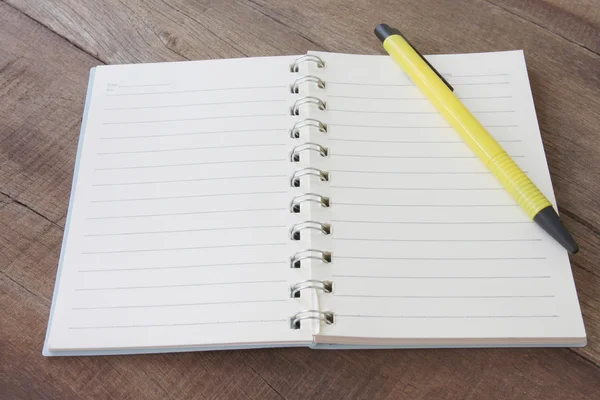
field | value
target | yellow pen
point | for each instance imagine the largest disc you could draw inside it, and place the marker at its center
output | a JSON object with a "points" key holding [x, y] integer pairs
{"points": [[440, 93]]}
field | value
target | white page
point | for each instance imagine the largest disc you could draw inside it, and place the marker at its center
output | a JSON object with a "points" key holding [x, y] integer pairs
{"points": [[178, 229], [426, 244]]}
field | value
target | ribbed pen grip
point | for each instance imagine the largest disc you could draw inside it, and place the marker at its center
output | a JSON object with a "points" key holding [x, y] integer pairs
{"points": [[518, 184]]}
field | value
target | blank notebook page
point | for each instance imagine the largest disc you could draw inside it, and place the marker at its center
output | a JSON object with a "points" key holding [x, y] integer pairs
{"points": [[427, 245], [177, 234]]}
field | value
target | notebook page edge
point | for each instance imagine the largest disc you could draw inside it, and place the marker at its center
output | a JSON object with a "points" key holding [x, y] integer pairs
{"points": [[88, 98]]}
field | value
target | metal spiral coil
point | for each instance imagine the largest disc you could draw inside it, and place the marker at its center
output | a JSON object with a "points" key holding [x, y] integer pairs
{"points": [[308, 197], [308, 146], [295, 131], [324, 256], [321, 105], [295, 67], [295, 179], [327, 317], [295, 88], [324, 228], [296, 289]]}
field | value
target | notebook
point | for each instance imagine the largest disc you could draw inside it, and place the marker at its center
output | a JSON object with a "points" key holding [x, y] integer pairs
{"points": [[315, 200]]}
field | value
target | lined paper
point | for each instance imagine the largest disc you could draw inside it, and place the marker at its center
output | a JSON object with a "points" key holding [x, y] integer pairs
{"points": [[426, 243], [178, 232]]}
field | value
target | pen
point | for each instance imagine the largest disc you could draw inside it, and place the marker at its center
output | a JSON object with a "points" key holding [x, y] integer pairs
{"points": [[440, 93]]}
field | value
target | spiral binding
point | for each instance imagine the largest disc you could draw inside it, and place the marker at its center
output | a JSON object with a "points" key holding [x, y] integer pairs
{"points": [[323, 256], [325, 316], [308, 146], [308, 197], [295, 179], [324, 228], [321, 105], [295, 131], [295, 67], [295, 88], [296, 289]]}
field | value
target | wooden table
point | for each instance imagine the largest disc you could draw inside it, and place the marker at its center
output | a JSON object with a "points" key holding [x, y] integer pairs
{"points": [[46, 51]]}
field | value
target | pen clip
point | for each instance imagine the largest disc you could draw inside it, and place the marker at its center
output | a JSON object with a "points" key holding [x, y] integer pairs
{"points": [[394, 31]]}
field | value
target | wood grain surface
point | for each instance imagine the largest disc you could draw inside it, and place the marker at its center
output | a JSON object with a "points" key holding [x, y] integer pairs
{"points": [[46, 51]]}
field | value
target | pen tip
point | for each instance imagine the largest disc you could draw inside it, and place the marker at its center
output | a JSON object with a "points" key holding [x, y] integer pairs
{"points": [[548, 220]]}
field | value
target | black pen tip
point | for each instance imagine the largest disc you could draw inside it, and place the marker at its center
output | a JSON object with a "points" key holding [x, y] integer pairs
{"points": [[549, 221]]}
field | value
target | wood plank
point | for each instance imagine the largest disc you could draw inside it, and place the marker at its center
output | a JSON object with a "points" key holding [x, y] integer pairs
{"points": [[425, 374], [40, 113], [280, 373], [577, 21], [128, 32], [587, 281], [564, 75]]}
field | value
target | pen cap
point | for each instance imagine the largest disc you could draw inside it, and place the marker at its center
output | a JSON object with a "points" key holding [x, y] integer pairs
{"points": [[382, 31]]}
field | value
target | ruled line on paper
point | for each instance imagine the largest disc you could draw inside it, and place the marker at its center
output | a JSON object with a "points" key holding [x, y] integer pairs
{"points": [[439, 240], [192, 148], [155, 121], [178, 285], [193, 133], [145, 85], [334, 139], [405, 157], [544, 296], [198, 90], [413, 85], [435, 222], [189, 164], [422, 98], [410, 172], [183, 248], [475, 75], [441, 277], [415, 127], [371, 84], [355, 171], [192, 196], [426, 205], [190, 180], [177, 304], [253, 264], [178, 325], [439, 258], [189, 213], [383, 112], [447, 316], [416, 112], [479, 83], [377, 98], [185, 230], [195, 104], [483, 97], [413, 189]]}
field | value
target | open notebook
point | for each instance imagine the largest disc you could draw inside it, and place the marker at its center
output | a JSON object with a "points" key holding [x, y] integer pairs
{"points": [[315, 200]]}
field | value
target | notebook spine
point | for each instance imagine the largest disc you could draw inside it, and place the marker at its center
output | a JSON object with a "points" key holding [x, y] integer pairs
{"points": [[305, 148]]}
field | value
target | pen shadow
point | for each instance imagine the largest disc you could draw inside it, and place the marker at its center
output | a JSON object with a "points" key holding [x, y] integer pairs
{"points": [[563, 154]]}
